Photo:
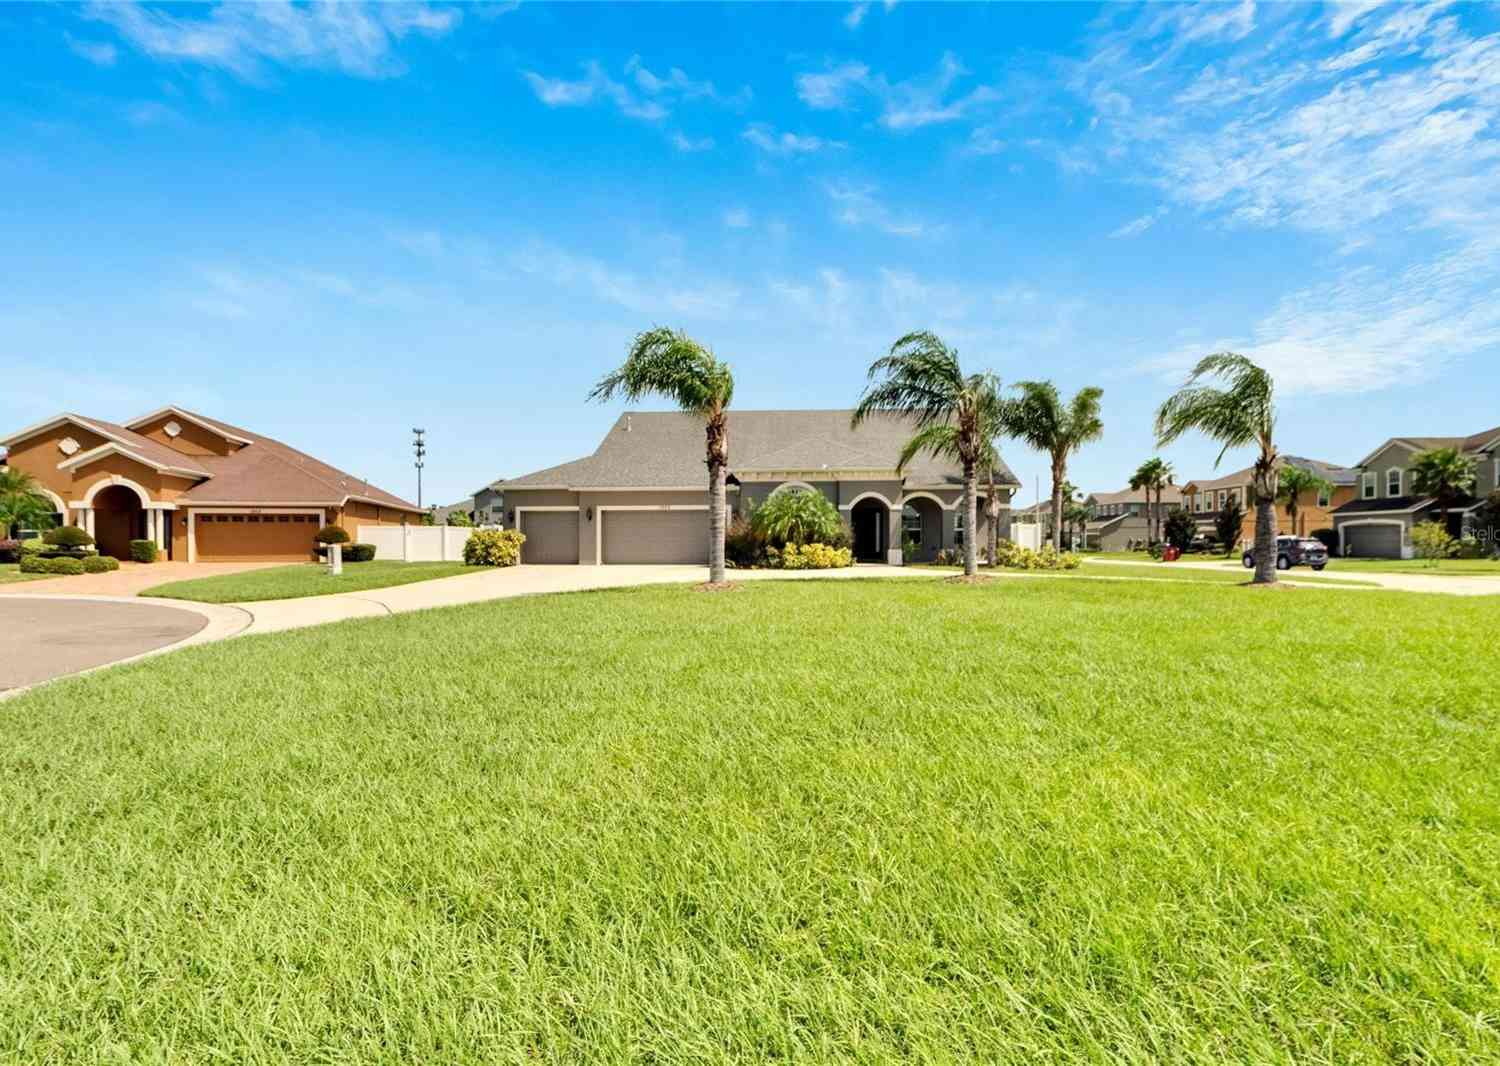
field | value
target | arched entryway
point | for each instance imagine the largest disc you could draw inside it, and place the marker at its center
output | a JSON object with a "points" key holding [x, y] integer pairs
{"points": [[922, 528], [869, 521], [119, 518]]}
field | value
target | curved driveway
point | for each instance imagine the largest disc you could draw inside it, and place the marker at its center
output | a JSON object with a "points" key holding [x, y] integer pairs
{"points": [[46, 637]]}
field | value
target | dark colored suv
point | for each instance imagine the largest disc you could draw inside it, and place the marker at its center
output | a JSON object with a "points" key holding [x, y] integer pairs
{"points": [[1294, 551]]}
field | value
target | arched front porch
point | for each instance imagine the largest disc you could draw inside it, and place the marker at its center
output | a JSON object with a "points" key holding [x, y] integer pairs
{"points": [[116, 511], [869, 527]]}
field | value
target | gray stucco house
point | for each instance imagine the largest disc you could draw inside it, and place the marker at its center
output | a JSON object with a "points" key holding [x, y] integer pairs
{"points": [[642, 496], [1123, 519], [1379, 520]]}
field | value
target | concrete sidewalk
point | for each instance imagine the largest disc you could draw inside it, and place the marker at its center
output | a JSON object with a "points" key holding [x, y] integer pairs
{"points": [[1455, 585]]}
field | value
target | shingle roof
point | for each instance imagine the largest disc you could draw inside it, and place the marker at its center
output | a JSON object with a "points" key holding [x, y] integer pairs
{"points": [[1480, 440], [1169, 494], [650, 449], [145, 447], [1331, 472]]}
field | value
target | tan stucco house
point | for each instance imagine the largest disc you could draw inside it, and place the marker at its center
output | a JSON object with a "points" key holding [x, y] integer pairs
{"points": [[1205, 497], [202, 489], [642, 496]]}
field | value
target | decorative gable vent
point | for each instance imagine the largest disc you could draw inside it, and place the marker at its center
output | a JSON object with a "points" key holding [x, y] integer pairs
{"points": [[67, 446], [172, 429]]}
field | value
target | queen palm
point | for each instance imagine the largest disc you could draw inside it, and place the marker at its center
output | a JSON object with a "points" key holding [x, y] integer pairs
{"points": [[1295, 482], [955, 414], [1041, 420], [669, 363], [1239, 412], [1155, 474], [22, 502], [1444, 473]]}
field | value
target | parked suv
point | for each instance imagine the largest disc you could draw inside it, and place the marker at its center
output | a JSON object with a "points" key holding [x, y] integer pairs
{"points": [[1294, 551]]}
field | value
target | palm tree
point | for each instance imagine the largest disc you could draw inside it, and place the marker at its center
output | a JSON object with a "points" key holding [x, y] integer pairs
{"points": [[1078, 516], [1241, 413], [669, 363], [1294, 483], [1154, 474], [22, 502], [1041, 420], [1445, 473], [955, 414]]}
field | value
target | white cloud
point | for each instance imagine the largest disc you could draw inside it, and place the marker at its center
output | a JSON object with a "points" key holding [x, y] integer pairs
{"points": [[683, 143], [983, 141], [856, 15], [1136, 226], [243, 38], [737, 218], [905, 105], [149, 113], [424, 242], [100, 53], [764, 136], [857, 205], [651, 98], [659, 294]]}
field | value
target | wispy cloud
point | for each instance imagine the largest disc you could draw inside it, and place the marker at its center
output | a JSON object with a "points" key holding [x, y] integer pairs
{"points": [[149, 113], [737, 218], [857, 205], [1136, 226], [856, 15], [642, 94], [905, 105], [764, 136], [661, 293], [100, 53], [244, 39], [683, 143]]}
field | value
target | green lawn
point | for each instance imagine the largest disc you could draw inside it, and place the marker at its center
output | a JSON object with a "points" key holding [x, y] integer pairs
{"points": [[303, 579], [1168, 572], [1444, 567], [10, 572], [854, 821]]}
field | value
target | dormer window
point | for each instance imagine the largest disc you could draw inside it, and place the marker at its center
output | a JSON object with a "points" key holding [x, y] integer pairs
{"points": [[1393, 482]]}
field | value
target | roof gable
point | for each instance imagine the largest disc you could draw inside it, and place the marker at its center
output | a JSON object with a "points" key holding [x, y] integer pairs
{"points": [[198, 420]]}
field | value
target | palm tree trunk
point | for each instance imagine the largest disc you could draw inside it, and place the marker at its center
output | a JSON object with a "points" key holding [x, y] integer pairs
{"points": [[716, 504], [971, 554], [1057, 480], [992, 511], [1265, 538]]}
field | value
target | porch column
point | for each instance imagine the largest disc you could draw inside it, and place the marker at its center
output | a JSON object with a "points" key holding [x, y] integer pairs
{"points": [[161, 530], [192, 538], [893, 540], [87, 514]]}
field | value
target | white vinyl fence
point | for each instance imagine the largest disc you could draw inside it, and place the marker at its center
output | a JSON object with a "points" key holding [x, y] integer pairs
{"points": [[417, 544], [1027, 534]]}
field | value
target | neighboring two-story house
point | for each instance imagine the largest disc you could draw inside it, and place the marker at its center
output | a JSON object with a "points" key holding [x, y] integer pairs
{"points": [[1378, 520], [1204, 498], [1123, 519]]}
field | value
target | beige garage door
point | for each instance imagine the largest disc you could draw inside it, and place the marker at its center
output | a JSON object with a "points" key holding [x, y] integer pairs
{"points": [[1374, 542], [656, 537], [551, 536], [255, 538]]}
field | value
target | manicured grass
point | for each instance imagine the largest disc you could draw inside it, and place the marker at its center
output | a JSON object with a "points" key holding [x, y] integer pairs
{"points": [[10, 572], [1169, 572], [855, 821], [1444, 567], [303, 579]]}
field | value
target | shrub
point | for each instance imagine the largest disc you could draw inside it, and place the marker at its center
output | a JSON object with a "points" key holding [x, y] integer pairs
{"points": [[95, 564], [70, 537], [34, 546], [143, 551], [461, 520], [1016, 557], [1180, 530], [1228, 523], [797, 516], [1329, 539], [815, 557], [332, 535], [10, 550], [64, 565], [1433, 541], [744, 545], [359, 553], [493, 547]]}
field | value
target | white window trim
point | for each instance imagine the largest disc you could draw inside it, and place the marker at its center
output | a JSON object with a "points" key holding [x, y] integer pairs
{"points": [[1368, 485], [1400, 475], [866, 496]]}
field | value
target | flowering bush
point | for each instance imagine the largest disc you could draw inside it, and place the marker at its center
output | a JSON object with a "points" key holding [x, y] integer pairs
{"points": [[810, 557], [1015, 557], [493, 547]]}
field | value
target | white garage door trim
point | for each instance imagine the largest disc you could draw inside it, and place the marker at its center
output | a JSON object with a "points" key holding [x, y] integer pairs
{"points": [[192, 525], [1400, 538], [602, 511], [521, 517]]}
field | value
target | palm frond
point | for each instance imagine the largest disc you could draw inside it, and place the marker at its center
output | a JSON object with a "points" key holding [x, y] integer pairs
{"points": [[1239, 413], [940, 440], [669, 363]]}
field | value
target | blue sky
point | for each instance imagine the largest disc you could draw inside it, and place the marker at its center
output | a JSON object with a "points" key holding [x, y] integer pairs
{"points": [[331, 224]]}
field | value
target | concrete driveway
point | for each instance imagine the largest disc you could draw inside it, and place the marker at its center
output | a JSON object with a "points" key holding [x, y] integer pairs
{"points": [[51, 636], [130, 580]]}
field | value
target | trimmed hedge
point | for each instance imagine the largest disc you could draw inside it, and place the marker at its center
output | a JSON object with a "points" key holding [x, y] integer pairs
{"points": [[68, 537], [100, 564], [143, 551], [63, 565], [331, 535], [493, 547], [359, 553]]}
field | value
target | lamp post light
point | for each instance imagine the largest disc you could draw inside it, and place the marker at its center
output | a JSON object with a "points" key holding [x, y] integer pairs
{"points": [[419, 448]]}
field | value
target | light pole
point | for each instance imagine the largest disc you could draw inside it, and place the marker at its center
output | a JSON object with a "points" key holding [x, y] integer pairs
{"points": [[419, 447]]}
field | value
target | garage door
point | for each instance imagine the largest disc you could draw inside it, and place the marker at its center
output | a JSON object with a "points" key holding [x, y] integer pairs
{"points": [[255, 538], [1378, 542], [655, 537], [551, 536]]}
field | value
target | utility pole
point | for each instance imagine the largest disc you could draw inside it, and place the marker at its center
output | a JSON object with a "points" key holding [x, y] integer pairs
{"points": [[419, 447]]}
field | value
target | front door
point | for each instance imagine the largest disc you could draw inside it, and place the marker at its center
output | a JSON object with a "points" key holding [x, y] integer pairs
{"points": [[867, 533]]}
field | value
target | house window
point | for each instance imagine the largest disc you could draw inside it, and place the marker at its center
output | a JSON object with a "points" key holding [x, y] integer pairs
{"points": [[1393, 482], [1324, 499], [958, 529], [911, 524], [1367, 486]]}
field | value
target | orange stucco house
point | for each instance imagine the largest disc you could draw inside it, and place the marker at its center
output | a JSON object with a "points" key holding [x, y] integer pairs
{"points": [[202, 489]]}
